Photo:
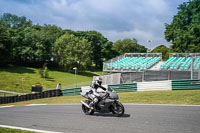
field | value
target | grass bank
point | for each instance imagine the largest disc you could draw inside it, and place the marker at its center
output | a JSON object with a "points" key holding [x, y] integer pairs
{"points": [[189, 97], [2, 94], [10, 79]]}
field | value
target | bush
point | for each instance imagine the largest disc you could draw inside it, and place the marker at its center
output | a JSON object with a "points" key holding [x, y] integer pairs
{"points": [[44, 72]]}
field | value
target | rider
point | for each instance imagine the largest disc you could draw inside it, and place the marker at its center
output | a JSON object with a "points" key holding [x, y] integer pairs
{"points": [[94, 86]]}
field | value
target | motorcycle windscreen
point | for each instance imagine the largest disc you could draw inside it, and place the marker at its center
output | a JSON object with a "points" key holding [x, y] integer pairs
{"points": [[113, 95]]}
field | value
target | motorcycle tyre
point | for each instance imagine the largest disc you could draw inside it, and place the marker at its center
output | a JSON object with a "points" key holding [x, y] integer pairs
{"points": [[86, 110], [117, 113]]}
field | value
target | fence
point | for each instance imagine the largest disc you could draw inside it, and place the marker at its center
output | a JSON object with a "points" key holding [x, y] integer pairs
{"points": [[124, 87], [150, 75], [70, 92], [45, 94], [132, 87], [185, 84], [110, 79]]}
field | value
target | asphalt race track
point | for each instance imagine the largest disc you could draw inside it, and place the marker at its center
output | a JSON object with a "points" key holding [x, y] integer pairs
{"points": [[137, 119]]}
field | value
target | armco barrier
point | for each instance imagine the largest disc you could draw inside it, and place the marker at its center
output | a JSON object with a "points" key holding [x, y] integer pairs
{"points": [[124, 87], [70, 92], [45, 94], [140, 86], [186, 84]]}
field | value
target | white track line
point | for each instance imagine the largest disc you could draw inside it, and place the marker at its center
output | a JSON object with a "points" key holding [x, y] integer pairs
{"points": [[6, 106], [22, 105], [28, 129], [36, 104]]}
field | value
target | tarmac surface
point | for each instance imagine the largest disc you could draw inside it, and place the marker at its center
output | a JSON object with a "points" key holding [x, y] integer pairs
{"points": [[138, 118]]}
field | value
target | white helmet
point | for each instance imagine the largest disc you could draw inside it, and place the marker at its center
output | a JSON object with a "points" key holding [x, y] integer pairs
{"points": [[98, 80]]}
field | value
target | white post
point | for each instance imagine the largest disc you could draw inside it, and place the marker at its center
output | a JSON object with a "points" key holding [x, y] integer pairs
{"points": [[148, 50], [75, 68], [192, 68]]}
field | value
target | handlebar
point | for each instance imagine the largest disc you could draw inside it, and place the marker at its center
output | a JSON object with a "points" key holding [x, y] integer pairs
{"points": [[106, 95]]}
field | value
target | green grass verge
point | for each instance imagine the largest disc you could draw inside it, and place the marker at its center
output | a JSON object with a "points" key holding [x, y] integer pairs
{"points": [[10, 79], [2, 94], [8, 130], [190, 97]]}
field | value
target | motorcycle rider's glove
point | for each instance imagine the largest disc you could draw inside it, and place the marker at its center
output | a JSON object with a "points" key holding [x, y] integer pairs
{"points": [[107, 94]]}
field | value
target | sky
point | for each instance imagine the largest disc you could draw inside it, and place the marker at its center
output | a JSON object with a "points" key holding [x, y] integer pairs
{"points": [[114, 19]]}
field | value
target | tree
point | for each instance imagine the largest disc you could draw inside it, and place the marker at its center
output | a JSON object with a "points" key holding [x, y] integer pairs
{"points": [[5, 45], [31, 44], [14, 21], [97, 41], [32, 50], [162, 49], [128, 46], [108, 51], [49, 35], [70, 51], [38, 43], [184, 30], [16, 26]]}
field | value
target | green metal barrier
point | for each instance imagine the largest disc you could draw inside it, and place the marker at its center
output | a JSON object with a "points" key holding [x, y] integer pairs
{"points": [[117, 88], [124, 87], [71, 92], [186, 84]]}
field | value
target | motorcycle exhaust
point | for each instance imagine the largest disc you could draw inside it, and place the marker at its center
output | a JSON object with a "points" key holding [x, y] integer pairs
{"points": [[86, 105]]}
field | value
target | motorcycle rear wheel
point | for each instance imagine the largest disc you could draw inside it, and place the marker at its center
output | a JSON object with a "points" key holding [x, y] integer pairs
{"points": [[118, 110], [86, 110]]}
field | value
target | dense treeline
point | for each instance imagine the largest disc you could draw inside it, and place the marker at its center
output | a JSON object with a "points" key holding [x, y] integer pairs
{"points": [[184, 30], [23, 43]]}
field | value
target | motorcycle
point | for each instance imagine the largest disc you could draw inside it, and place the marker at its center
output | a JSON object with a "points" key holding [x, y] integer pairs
{"points": [[106, 104]]}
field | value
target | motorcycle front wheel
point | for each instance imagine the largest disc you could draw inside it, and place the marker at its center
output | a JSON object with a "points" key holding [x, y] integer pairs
{"points": [[118, 109], [86, 110]]}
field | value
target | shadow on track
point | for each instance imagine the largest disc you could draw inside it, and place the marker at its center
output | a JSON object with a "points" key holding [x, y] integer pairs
{"points": [[111, 115]]}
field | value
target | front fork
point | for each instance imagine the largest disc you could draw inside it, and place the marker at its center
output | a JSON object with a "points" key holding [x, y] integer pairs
{"points": [[114, 105]]}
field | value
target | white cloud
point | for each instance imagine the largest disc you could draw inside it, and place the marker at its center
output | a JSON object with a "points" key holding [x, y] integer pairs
{"points": [[116, 19], [141, 36]]}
